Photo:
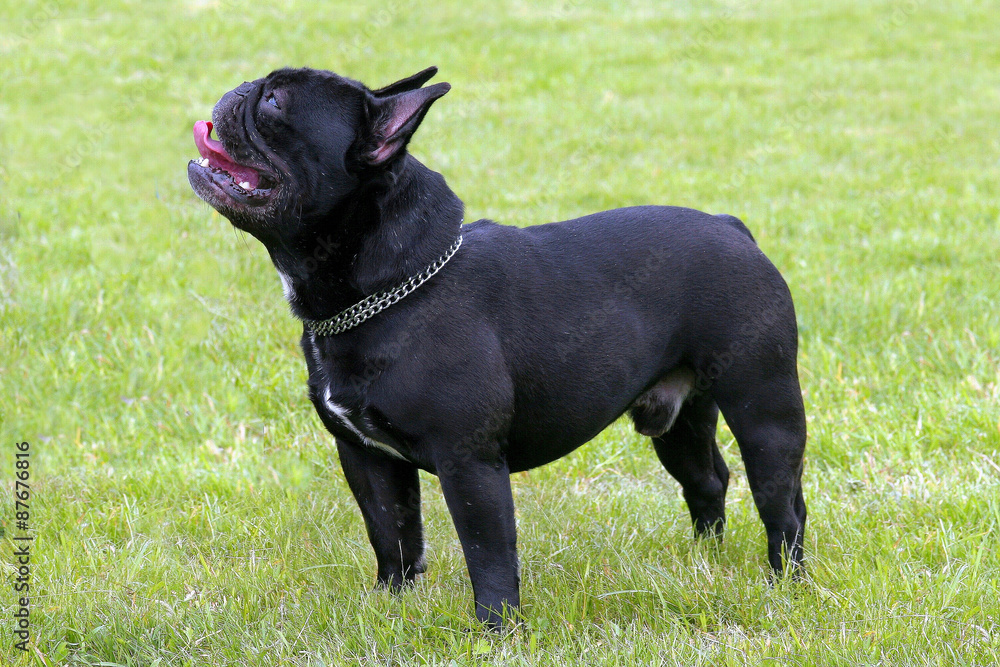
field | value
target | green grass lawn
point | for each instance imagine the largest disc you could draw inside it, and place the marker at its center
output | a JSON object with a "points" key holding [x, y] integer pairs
{"points": [[188, 506]]}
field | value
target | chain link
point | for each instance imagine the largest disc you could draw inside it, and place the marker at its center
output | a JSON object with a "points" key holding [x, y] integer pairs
{"points": [[376, 303]]}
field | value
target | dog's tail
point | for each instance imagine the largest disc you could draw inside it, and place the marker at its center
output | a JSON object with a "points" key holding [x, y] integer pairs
{"points": [[735, 223]]}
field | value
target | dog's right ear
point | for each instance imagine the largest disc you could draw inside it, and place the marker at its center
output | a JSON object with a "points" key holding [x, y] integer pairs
{"points": [[393, 119], [407, 84]]}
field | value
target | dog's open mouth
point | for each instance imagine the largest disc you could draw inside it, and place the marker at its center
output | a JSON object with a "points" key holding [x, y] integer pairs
{"points": [[228, 176]]}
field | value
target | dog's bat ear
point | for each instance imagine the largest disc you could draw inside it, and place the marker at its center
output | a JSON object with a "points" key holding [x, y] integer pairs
{"points": [[394, 119], [407, 84]]}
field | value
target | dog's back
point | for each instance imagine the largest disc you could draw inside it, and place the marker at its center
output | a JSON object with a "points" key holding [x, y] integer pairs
{"points": [[620, 299]]}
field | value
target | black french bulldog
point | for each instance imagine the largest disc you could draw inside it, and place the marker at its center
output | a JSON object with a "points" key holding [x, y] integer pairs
{"points": [[476, 350]]}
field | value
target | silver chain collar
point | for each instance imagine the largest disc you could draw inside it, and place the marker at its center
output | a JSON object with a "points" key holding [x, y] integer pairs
{"points": [[376, 303]]}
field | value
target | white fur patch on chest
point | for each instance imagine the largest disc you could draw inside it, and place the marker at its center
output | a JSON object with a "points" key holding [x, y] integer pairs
{"points": [[286, 286], [343, 415]]}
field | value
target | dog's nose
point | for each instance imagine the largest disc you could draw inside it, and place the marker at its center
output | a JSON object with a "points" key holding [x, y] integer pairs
{"points": [[244, 88]]}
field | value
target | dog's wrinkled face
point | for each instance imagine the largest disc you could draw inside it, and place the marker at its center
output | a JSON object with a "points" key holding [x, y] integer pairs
{"points": [[295, 144]]}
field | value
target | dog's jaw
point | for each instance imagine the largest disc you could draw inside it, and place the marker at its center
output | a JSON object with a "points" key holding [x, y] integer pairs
{"points": [[229, 186]]}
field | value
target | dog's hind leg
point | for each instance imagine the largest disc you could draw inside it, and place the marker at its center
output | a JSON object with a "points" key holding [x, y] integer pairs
{"points": [[689, 453], [767, 417]]}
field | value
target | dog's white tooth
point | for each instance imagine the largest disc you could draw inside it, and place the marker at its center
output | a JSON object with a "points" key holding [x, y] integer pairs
{"points": [[203, 162], [245, 185]]}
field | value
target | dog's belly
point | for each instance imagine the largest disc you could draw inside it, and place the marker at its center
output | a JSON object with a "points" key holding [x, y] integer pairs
{"points": [[549, 425], [552, 431], [536, 442], [535, 449]]}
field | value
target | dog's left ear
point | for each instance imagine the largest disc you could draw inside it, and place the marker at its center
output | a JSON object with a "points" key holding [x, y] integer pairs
{"points": [[394, 118], [409, 83]]}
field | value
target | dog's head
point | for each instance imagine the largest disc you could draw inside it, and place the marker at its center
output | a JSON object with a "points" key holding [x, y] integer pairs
{"points": [[295, 144]]}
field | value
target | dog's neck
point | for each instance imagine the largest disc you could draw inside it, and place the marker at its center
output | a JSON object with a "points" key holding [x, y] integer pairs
{"points": [[389, 230]]}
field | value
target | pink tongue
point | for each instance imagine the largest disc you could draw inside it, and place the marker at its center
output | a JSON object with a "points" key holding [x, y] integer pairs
{"points": [[219, 158]]}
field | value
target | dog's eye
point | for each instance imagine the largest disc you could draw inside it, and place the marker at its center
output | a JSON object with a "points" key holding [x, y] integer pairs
{"points": [[273, 102]]}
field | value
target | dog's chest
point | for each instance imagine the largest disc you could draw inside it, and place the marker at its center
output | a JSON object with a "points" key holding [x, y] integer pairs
{"points": [[356, 422], [338, 403]]}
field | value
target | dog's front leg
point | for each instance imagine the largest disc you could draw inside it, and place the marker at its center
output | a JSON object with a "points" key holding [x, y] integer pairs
{"points": [[388, 491], [479, 499]]}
